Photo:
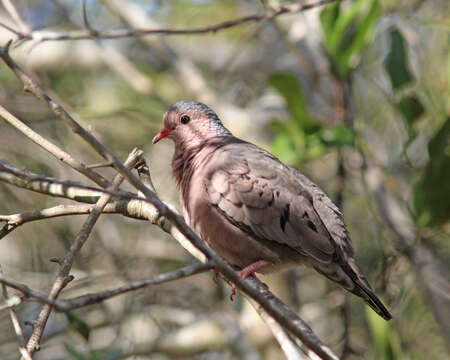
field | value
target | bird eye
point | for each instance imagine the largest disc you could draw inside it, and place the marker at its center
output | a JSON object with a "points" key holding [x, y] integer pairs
{"points": [[185, 119]]}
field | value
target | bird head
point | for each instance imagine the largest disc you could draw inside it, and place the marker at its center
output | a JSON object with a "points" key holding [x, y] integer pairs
{"points": [[190, 122]]}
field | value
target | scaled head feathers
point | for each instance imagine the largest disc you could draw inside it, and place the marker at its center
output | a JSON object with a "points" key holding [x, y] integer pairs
{"points": [[190, 122]]}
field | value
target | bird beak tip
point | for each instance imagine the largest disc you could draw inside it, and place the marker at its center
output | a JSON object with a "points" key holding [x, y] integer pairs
{"points": [[161, 135]]}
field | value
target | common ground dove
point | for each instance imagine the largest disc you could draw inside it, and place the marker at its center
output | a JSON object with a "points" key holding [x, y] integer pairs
{"points": [[253, 210]]}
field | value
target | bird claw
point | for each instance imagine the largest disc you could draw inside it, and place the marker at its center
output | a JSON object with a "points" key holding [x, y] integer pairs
{"points": [[233, 292], [215, 276], [246, 272]]}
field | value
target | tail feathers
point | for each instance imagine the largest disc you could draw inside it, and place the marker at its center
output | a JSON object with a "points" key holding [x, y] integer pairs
{"points": [[372, 300], [351, 278]]}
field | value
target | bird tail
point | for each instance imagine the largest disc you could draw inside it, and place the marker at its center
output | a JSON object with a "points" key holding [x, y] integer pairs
{"points": [[351, 278]]}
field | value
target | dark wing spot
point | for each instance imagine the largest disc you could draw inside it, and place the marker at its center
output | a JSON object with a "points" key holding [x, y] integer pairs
{"points": [[261, 193], [282, 222], [312, 226], [286, 212], [284, 217]]}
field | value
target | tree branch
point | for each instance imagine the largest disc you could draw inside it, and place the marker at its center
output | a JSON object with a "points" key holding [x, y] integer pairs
{"points": [[62, 276], [12, 11], [89, 33], [16, 323], [53, 149], [252, 287], [89, 299]]}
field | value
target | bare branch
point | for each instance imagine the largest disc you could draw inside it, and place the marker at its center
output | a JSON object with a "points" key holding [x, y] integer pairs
{"points": [[253, 288], [53, 149], [144, 174], [16, 323], [86, 20], [12, 11], [117, 34], [47, 185], [13, 221], [89, 299], [62, 276], [289, 347]]}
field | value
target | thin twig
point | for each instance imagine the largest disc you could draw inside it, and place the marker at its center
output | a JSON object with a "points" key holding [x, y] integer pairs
{"points": [[134, 207], [12, 11], [95, 298], [253, 288], [53, 149], [291, 350], [51, 186], [16, 323], [86, 20], [125, 33], [62, 276]]}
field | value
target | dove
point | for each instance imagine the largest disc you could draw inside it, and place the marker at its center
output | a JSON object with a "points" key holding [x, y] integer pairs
{"points": [[256, 212]]}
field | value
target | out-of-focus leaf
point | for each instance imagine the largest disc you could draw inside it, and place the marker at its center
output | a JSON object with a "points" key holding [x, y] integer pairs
{"points": [[411, 108], [337, 136], [328, 17], [289, 88], [362, 31], [300, 138], [78, 325], [384, 338], [431, 193], [286, 146], [315, 147], [396, 63], [346, 31], [343, 23]]}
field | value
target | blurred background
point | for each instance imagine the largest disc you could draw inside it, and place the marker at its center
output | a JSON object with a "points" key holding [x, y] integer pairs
{"points": [[356, 96]]}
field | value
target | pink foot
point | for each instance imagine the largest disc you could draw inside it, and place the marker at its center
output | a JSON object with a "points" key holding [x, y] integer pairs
{"points": [[246, 272], [215, 275]]}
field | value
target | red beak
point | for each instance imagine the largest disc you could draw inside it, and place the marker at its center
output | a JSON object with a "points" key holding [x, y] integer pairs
{"points": [[161, 135]]}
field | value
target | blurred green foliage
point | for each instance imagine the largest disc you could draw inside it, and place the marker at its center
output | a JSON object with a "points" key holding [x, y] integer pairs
{"points": [[78, 325], [346, 31], [300, 138], [387, 345], [432, 192], [396, 63], [392, 59]]}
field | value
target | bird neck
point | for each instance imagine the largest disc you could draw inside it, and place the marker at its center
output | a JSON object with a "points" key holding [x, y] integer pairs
{"points": [[188, 158]]}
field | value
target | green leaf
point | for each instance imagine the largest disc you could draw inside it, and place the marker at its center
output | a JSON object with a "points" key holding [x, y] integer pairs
{"points": [[431, 193], [328, 18], [289, 88], [363, 29], [385, 340], [314, 147], [78, 325], [396, 63], [345, 19], [337, 136], [288, 145], [346, 31], [411, 108]]}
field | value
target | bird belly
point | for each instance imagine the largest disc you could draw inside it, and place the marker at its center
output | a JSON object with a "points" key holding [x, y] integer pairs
{"points": [[236, 246]]}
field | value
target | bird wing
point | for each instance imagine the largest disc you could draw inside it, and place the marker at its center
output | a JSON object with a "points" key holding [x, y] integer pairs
{"points": [[263, 197]]}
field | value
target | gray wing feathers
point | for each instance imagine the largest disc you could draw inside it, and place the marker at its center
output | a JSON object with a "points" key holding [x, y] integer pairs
{"points": [[260, 195]]}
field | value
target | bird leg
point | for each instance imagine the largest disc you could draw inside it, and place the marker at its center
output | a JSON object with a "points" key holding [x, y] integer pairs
{"points": [[215, 275], [249, 270]]}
